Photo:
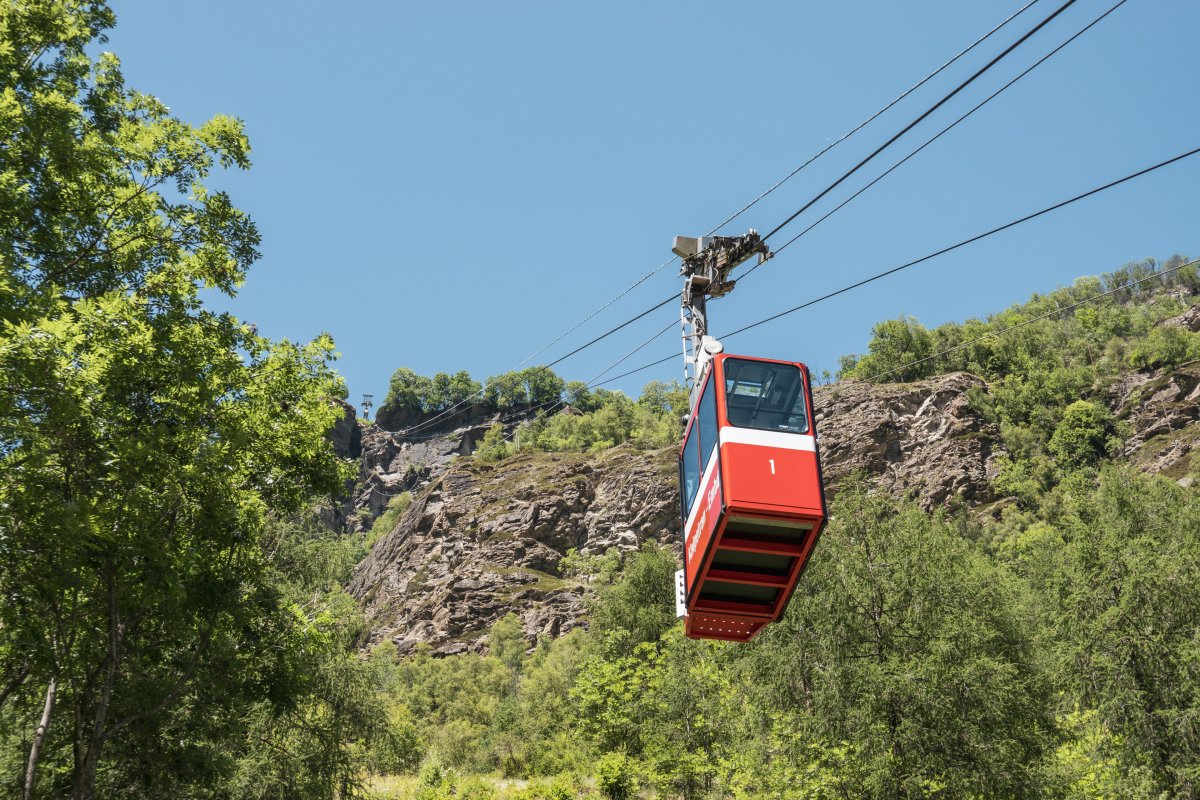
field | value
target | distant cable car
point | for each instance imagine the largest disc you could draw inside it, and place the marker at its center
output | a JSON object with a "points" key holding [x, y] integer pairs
{"points": [[751, 495]]}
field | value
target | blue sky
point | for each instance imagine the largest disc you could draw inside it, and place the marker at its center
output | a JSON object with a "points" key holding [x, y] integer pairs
{"points": [[450, 186]]}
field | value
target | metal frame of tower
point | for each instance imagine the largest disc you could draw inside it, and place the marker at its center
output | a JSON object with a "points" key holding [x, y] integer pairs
{"points": [[707, 263]]}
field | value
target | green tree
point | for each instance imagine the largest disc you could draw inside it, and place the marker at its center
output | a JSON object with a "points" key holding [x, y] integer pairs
{"points": [[1127, 565], [542, 386], [1166, 345], [895, 345], [506, 641], [914, 651], [493, 446], [506, 391], [408, 390], [1086, 434], [640, 606], [543, 732], [142, 437]]}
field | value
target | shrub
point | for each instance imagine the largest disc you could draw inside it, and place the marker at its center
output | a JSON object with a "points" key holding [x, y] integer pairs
{"points": [[415, 392], [408, 390], [387, 520], [615, 776], [1085, 435], [529, 387], [1165, 346], [493, 446]]}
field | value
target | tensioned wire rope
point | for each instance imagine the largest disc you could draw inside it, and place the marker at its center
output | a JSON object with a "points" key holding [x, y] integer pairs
{"points": [[963, 243], [446, 412], [941, 133], [593, 382], [926, 144], [924, 115], [813, 158], [769, 191], [878, 376]]}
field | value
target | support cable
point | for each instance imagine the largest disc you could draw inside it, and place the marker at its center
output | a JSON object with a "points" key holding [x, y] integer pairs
{"points": [[923, 116], [448, 411], [966, 242], [592, 383], [939, 135], [935, 254], [873, 117], [613, 330]]}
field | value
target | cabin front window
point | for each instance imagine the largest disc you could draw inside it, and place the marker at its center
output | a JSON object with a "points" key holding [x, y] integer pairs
{"points": [[766, 396]]}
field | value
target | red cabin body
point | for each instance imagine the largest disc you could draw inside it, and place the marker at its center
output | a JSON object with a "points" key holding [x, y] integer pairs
{"points": [[751, 496]]}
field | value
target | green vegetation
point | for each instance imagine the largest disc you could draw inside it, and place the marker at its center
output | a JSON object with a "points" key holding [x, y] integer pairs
{"points": [[1047, 379], [160, 634], [566, 416], [527, 388], [174, 622], [391, 515], [416, 392], [596, 420], [1050, 654], [1092, 341], [604, 419]]}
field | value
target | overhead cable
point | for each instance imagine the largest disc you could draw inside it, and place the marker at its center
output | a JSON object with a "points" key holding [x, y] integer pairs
{"points": [[873, 117], [613, 330], [782, 181], [923, 116], [935, 254], [939, 134], [636, 370], [592, 383], [446, 412], [966, 242]]}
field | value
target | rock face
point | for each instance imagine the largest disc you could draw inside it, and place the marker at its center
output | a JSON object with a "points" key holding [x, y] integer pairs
{"points": [[483, 540], [1161, 408], [921, 438], [390, 465], [392, 462], [347, 433], [1188, 320], [397, 419]]}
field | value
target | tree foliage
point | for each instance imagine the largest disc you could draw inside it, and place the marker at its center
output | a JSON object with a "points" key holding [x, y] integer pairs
{"points": [[145, 441], [1101, 336]]}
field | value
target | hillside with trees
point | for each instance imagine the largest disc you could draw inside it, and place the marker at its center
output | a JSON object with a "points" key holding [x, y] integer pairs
{"points": [[1034, 639], [217, 583]]}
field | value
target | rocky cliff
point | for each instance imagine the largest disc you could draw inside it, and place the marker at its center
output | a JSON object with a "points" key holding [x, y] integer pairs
{"points": [[486, 539], [481, 540]]}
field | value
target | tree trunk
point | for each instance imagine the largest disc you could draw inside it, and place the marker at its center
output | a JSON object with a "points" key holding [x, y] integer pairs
{"points": [[39, 736], [17, 681], [83, 783]]}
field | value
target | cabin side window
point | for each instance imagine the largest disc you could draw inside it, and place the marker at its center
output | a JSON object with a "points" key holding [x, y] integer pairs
{"points": [[766, 396], [689, 468], [706, 420]]}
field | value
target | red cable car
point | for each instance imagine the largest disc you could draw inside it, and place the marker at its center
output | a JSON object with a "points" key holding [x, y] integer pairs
{"points": [[751, 495]]}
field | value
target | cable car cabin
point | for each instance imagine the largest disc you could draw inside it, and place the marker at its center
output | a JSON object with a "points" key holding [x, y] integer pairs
{"points": [[751, 496]]}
